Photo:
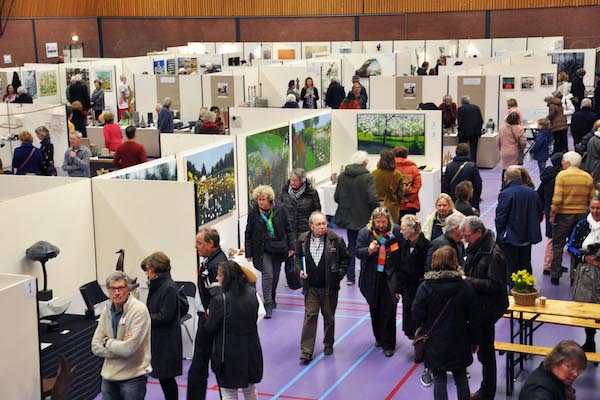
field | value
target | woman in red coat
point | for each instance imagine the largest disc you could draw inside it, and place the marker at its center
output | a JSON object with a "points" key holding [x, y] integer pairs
{"points": [[350, 102], [113, 136]]}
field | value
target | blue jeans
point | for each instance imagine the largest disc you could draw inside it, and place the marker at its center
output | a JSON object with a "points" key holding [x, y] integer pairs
{"points": [[352, 235], [131, 389]]}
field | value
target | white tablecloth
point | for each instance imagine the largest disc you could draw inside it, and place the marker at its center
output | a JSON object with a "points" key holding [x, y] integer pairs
{"points": [[326, 195]]}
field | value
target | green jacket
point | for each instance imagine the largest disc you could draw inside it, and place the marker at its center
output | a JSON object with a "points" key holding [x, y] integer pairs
{"points": [[356, 197]]}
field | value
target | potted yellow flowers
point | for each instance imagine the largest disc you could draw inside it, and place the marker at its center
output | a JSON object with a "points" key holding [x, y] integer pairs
{"points": [[524, 291]]}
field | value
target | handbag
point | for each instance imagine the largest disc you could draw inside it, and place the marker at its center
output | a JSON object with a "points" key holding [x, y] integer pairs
{"points": [[521, 151], [275, 246], [421, 337], [218, 363], [292, 277]]}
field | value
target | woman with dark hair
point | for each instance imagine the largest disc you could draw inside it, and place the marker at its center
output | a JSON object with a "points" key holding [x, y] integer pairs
{"points": [[350, 102], [464, 194], [47, 149], [299, 199], [446, 309], [309, 94], [165, 335], [558, 123], [237, 359], [554, 378], [388, 183], [292, 90], [97, 99], [511, 137], [10, 95], [449, 112]]}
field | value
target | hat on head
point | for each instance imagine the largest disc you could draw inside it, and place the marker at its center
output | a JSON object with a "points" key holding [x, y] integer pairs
{"points": [[355, 78]]}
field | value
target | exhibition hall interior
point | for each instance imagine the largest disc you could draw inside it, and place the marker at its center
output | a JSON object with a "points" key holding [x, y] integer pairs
{"points": [[137, 138]]}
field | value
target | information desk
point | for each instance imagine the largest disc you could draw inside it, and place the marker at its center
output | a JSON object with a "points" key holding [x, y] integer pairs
{"points": [[147, 137], [76, 347]]}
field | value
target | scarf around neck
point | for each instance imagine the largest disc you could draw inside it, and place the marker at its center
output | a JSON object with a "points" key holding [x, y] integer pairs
{"points": [[594, 236], [383, 241], [268, 218], [296, 194]]}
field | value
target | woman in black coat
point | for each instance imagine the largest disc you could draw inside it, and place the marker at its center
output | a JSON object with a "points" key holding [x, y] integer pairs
{"points": [[79, 119], [309, 94], [47, 149], [237, 359], [269, 241], [299, 199], [165, 335], [554, 378], [545, 192], [378, 248], [456, 334], [413, 255]]}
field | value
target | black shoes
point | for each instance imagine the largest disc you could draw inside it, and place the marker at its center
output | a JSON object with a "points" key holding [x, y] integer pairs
{"points": [[377, 344], [389, 353], [328, 350], [554, 281], [306, 358]]}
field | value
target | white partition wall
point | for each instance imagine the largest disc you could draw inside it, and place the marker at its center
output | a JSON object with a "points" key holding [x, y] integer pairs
{"points": [[60, 215], [20, 371], [346, 47], [548, 43], [202, 47], [468, 48], [252, 51], [385, 92], [243, 120], [435, 48], [172, 143], [48, 86], [351, 63], [416, 48], [287, 51], [375, 46], [483, 91], [589, 62], [506, 46], [229, 47], [310, 48], [136, 66], [142, 217], [146, 95], [274, 81]]}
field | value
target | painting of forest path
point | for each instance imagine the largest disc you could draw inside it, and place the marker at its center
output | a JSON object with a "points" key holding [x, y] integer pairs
{"points": [[378, 132], [311, 142], [213, 173], [164, 171], [268, 159]]}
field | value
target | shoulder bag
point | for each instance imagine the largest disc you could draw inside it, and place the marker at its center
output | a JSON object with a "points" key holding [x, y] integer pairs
{"points": [[421, 337], [28, 158], [521, 150], [458, 172]]}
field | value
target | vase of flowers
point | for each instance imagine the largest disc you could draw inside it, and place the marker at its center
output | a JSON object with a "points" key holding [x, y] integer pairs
{"points": [[524, 290]]}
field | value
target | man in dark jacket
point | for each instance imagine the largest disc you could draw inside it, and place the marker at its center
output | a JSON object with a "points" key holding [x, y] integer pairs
{"points": [[583, 121], [470, 122], [485, 267], [452, 237], [356, 197], [335, 94], [321, 259], [423, 69], [361, 96], [79, 91], [461, 168], [24, 97], [518, 216], [578, 88], [207, 245]]}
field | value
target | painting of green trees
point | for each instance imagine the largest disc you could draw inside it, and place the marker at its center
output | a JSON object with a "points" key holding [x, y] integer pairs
{"points": [[213, 173], [378, 132], [311, 142], [268, 155], [165, 171]]}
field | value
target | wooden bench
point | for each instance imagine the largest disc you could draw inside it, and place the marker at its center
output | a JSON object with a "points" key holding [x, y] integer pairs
{"points": [[526, 350]]}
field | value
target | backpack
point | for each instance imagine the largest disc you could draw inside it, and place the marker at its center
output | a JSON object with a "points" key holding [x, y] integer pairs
{"points": [[184, 305]]}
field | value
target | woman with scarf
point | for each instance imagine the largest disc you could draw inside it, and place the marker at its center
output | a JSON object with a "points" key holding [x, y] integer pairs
{"points": [[378, 248], [435, 224], [583, 246], [269, 241], [449, 112], [299, 199]]}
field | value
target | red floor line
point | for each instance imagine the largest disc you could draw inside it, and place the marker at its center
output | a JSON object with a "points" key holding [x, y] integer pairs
{"points": [[362, 303], [215, 387], [402, 382]]}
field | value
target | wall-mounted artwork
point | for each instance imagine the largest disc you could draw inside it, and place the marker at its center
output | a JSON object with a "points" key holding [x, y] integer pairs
{"points": [[47, 81], [508, 83], [190, 64], [310, 49], [30, 83], [223, 90], [213, 173], [410, 90], [378, 132], [328, 69], [71, 72], [268, 155], [371, 67], [568, 62], [547, 79], [311, 142], [159, 67], [106, 78], [165, 171], [286, 54], [171, 66], [527, 82]]}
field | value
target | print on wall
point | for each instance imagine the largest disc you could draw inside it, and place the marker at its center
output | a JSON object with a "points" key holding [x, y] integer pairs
{"points": [[47, 80], [165, 171], [378, 132], [568, 62], [508, 83], [311, 142], [371, 67], [213, 174], [106, 78], [190, 64], [410, 91], [286, 54], [268, 155], [159, 67], [527, 82], [310, 49], [547, 79], [30, 83], [223, 90]]}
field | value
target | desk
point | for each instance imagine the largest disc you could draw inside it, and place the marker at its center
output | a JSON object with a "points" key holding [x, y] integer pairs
{"points": [[97, 163], [147, 137], [76, 347]]}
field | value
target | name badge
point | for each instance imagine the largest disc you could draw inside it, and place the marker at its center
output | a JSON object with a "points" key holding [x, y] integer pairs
{"points": [[122, 321]]}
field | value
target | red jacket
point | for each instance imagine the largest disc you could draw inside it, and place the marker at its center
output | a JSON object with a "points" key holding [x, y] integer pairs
{"points": [[113, 136], [350, 105], [408, 167]]}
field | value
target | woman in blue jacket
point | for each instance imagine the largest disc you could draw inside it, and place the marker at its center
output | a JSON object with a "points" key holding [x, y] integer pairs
{"points": [[539, 150], [26, 158]]}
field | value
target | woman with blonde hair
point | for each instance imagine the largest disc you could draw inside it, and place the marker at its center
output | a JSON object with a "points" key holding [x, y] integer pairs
{"points": [[435, 225], [513, 107], [47, 150], [309, 94]]}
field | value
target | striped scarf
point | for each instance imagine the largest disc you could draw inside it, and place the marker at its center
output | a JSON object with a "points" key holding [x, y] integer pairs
{"points": [[269, 222], [383, 240]]}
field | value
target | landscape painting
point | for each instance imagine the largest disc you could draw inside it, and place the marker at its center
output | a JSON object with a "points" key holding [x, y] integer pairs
{"points": [[329, 69], [268, 155], [105, 78], [213, 174], [378, 132], [163, 171], [311, 142], [71, 72], [47, 81]]}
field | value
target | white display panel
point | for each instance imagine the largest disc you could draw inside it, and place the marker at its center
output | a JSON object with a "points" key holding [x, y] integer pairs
{"points": [[229, 47], [202, 47], [172, 143], [274, 81], [589, 63], [544, 44], [351, 63], [416, 48], [284, 50], [506, 46], [469, 48], [252, 51], [310, 48], [381, 46], [435, 48]]}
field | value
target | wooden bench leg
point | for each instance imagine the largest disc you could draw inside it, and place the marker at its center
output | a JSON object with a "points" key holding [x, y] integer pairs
{"points": [[510, 373]]}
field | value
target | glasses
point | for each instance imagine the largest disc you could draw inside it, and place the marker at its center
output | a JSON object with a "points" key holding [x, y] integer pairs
{"points": [[573, 369], [117, 288], [320, 224]]}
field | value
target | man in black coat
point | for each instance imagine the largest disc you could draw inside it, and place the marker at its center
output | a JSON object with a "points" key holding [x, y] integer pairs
{"points": [[452, 237], [361, 96], [485, 267], [321, 259], [578, 88], [461, 168], [24, 97], [583, 121], [79, 91], [207, 245], [335, 94], [470, 122], [423, 69]]}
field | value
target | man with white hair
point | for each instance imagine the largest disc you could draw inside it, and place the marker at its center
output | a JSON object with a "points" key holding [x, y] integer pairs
{"points": [[583, 121], [573, 191], [124, 91], [357, 198], [290, 102], [23, 97], [335, 94], [77, 157], [79, 91], [470, 122], [452, 237]]}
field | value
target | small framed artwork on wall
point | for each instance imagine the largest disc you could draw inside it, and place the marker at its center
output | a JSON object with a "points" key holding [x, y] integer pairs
{"points": [[527, 82], [508, 83], [547, 79]]}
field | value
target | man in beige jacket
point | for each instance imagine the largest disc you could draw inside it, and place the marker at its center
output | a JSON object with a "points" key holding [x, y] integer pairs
{"points": [[122, 338]]}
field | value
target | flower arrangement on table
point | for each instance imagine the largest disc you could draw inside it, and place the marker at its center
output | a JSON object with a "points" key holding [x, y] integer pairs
{"points": [[524, 290]]}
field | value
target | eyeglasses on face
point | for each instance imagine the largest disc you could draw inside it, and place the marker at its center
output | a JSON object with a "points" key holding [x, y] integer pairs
{"points": [[116, 288]]}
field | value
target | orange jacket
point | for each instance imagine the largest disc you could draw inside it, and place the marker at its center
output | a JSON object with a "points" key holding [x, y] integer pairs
{"points": [[408, 167]]}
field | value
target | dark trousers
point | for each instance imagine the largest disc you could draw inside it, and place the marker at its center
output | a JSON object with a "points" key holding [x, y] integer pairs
{"points": [[560, 141], [383, 315], [198, 373], [352, 235], [473, 141], [487, 358], [517, 257], [565, 223], [440, 382], [169, 388], [317, 299], [409, 326]]}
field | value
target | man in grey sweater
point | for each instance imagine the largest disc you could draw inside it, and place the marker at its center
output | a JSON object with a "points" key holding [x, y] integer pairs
{"points": [[122, 338], [77, 157]]}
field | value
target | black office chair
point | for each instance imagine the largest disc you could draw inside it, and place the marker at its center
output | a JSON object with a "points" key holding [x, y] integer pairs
{"points": [[189, 290], [92, 295]]}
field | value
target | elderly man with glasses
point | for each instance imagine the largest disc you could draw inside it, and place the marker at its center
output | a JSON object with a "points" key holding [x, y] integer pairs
{"points": [[122, 338]]}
